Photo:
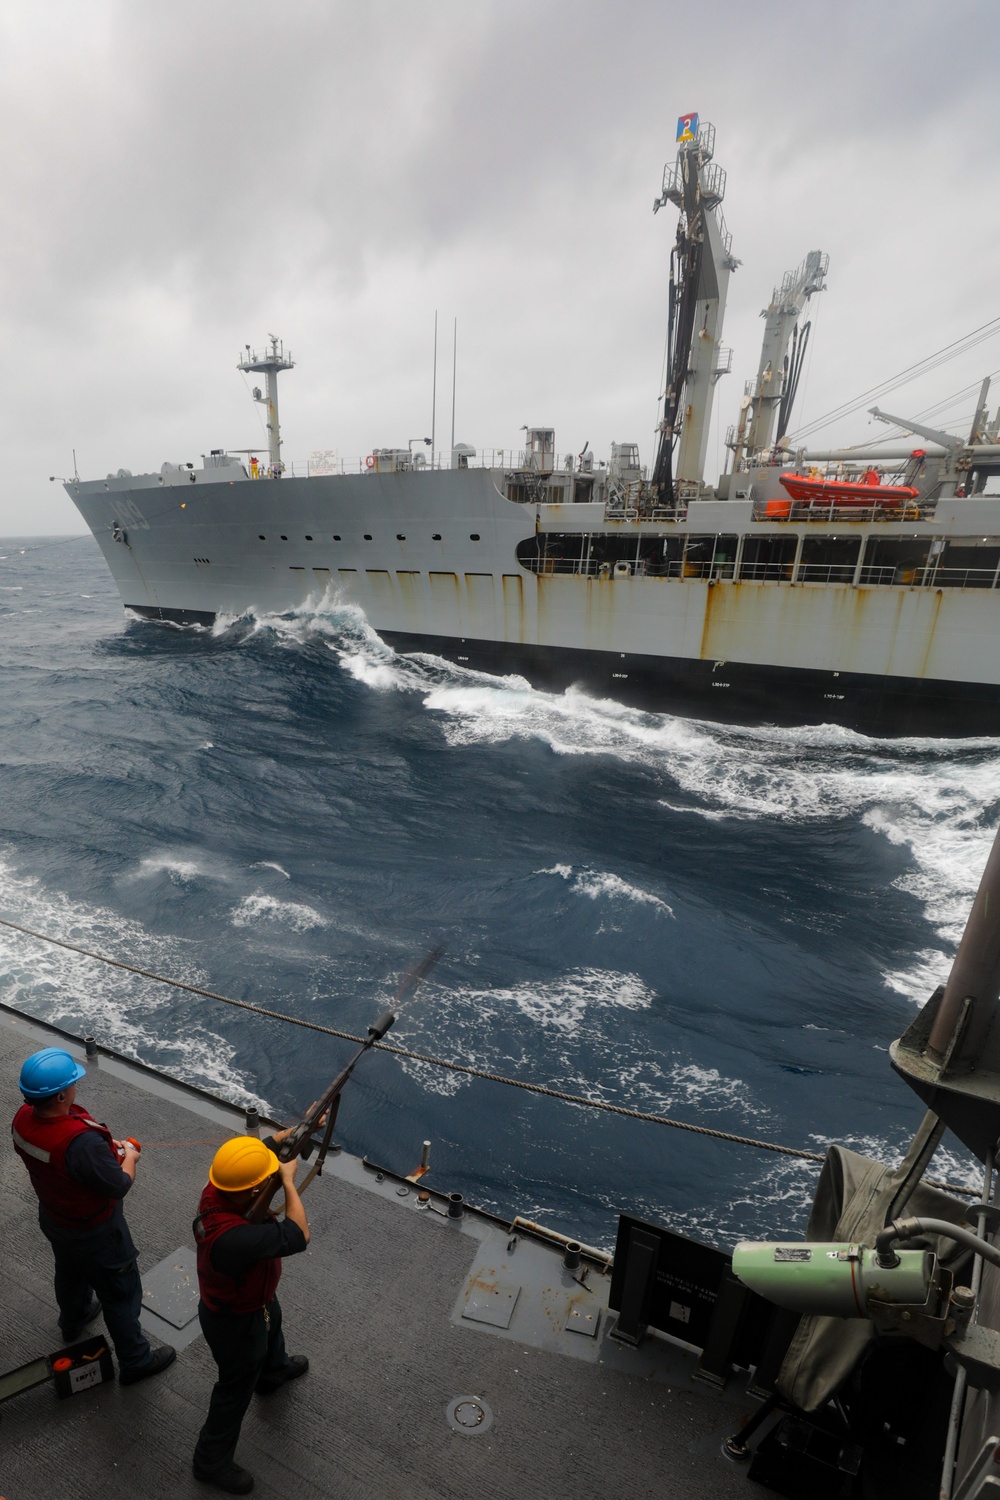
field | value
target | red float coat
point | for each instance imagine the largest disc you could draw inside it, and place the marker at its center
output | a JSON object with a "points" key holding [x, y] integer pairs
{"points": [[42, 1145], [219, 1292]]}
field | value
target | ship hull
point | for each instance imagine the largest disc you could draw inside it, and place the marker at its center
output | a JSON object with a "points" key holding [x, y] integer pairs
{"points": [[432, 560]]}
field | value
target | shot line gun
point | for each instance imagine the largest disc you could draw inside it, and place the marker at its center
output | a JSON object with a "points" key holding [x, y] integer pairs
{"points": [[322, 1115]]}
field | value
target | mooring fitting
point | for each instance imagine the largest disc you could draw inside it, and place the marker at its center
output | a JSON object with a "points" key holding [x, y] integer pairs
{"points": [[252, 1120], [456, 1205], [90, 1046], [425, 1157], [963, 1304], [571, 1256]]}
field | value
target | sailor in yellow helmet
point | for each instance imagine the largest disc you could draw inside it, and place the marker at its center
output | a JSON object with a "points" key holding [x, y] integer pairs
{"points": [[239, 1266]]}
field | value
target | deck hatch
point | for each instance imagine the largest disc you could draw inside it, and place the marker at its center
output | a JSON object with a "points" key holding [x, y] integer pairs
{"points": [[491, 1302], [582, 1321], [170, 1290]]}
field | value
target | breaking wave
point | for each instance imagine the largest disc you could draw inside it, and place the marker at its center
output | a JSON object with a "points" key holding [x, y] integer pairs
{"points": [[131, 1015]]}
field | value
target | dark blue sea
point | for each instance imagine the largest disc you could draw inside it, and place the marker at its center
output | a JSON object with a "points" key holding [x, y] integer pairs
{"points": [[728, 926]]}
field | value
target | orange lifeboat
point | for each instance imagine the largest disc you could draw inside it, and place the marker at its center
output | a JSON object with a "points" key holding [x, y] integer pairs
{"points": [[842, 492]]}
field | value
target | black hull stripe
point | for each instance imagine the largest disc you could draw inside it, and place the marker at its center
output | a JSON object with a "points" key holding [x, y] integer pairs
{"points": [[733, 693]]}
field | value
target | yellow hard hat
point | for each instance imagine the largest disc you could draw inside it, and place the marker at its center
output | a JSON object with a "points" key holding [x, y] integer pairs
{"points": [[240, 1164]]}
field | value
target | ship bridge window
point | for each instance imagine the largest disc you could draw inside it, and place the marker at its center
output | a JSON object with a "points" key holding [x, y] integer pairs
{"points": [[630, 554], [556, 552], [965, 563], [829, 559], [702, 557], [898, 559], [768, 559]]}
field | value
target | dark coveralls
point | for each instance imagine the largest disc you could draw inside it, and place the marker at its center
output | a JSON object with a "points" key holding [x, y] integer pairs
{"points": [[240, 1317], [98, 1256]]}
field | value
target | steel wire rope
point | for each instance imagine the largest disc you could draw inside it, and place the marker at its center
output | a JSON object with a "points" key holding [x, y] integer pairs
{"points": [[931, 362], [937, 412], [912, 372], [59, 541], [545, 1090]]}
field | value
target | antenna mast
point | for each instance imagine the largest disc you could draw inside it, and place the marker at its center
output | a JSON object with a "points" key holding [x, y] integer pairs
{"points": [[269, 363]]}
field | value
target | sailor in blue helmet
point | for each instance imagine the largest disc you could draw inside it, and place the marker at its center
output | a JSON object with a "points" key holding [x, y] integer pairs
{"points": [[81, 1175]]}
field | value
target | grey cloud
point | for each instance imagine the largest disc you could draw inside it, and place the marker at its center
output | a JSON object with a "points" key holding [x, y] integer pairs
{"points": [[183, 179]]}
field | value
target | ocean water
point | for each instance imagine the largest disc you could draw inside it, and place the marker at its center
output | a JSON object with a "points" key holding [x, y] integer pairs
{"points": [[725, 925]]}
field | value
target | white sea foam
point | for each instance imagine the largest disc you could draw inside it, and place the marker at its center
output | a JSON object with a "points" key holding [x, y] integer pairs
{"points": [[177, 868], [555, 1014], [564, 1002], [935, 799], [662, 1086], [269, 864], [260, 909], [130, 1014], [598, 883]]}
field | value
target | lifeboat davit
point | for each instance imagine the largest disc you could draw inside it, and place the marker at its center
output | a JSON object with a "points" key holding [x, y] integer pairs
{"points": [[842, 492]]}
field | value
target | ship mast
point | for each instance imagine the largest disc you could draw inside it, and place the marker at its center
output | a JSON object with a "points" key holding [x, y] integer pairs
{"points": [[773, 392], [269, 363], [700, 264]]}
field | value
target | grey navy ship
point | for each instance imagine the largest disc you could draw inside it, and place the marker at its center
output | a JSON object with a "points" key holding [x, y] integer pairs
{"points": [[851, 587]]}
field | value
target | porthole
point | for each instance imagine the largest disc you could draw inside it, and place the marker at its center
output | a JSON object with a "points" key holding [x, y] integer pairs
{"points": [[308, 538], [336, 539], [473, 536], [436, 537], [262, 538], [400, 537], [284, 539], [368, 536]]}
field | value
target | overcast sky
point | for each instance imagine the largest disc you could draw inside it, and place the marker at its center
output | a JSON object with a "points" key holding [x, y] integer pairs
{"points": [[179, 180]]}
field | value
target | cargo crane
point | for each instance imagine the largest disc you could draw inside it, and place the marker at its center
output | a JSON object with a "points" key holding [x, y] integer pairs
{"points": [[768, 400], [700, 265]]}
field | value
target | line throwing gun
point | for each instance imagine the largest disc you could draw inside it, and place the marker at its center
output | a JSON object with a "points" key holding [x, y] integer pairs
{"points": [[322, 1115]]}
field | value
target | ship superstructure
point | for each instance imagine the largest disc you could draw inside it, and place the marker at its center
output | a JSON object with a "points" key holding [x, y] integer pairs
{"points": [[741, 601]]}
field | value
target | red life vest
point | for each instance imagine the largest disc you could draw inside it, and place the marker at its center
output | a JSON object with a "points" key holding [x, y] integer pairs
{"points": [[219, 1292], [42, 1145]]}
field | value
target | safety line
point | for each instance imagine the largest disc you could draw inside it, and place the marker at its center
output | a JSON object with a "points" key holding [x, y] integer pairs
{"points": [[452, 1067]]}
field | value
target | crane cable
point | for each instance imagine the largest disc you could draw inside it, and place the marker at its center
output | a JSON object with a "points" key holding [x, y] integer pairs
{"points": [[454, 1067]]}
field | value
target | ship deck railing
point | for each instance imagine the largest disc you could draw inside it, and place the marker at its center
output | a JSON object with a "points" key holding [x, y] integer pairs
{"points": [[313, 468], [781, 512], [618, 512], [870, 575]]}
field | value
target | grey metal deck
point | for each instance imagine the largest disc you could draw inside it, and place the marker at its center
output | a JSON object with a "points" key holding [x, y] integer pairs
{"points": [[376, 1305]]}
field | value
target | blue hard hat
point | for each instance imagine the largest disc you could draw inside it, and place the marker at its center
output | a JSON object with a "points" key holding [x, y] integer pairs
{"points": [[47, 1073]]}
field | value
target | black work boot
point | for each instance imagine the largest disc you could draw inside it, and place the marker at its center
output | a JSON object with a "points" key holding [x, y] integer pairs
{"points": [[232, 1479]]}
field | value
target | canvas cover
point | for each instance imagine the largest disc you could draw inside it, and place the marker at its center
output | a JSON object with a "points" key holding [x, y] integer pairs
{"points": [[854, 1199]]}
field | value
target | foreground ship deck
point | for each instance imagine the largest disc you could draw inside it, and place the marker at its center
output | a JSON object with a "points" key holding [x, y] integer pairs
{"points": [[374, 1304]]}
